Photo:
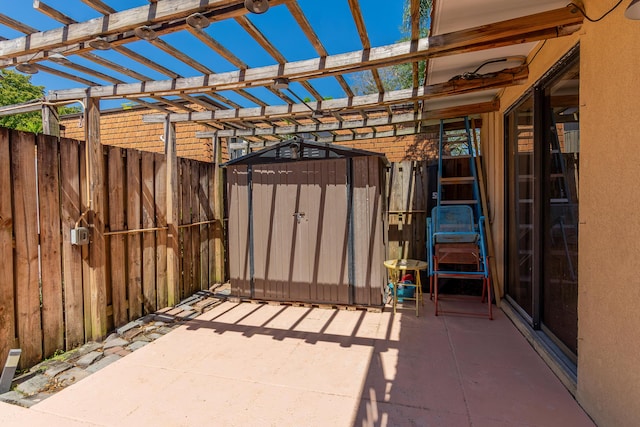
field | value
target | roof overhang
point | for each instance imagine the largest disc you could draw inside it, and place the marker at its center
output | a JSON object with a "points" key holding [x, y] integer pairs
{"points": [[455, 15]]}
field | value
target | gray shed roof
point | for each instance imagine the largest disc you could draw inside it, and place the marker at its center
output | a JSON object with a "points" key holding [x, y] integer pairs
{"points": [[297, 149]]}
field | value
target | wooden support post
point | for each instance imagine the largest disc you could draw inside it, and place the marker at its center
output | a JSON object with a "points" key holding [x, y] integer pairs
{"points": [[218, 213], [493, 268], [97, 310], [50, 120], [173, 254]]}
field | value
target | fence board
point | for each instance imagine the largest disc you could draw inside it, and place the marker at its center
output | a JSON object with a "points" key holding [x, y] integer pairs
{"points": [[195, 230], [7, 299], [84, 250], [216, 196], [97, 249], [407, 202], [23, 169], [50, 243], [117, 243], [71, 255], [134, 241], [212, 229], [185, 232], [204, 228], [161, 236], [148, 238], [420, 206]]}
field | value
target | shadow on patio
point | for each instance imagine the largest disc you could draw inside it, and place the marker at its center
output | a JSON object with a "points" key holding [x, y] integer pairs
{"points": [[258, 364]]}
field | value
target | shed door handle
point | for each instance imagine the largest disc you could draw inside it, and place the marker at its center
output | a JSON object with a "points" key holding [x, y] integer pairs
{"points": [[299, 216]]}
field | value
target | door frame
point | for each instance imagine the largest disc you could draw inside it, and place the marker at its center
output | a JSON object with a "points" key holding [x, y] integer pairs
{"points": [[541, 204]]}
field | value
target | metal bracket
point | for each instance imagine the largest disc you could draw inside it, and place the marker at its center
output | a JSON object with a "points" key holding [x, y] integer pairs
{"points": [[299, 216]]}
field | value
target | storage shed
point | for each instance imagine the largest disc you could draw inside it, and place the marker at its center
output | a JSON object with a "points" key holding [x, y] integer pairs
{"points": [[306, 224]]}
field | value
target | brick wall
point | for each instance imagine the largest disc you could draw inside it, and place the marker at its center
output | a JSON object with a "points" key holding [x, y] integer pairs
{"points": [[397, 149], [126, 129]]}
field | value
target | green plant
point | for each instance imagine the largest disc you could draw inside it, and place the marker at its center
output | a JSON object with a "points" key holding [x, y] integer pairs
{"points": [[16, 88]]}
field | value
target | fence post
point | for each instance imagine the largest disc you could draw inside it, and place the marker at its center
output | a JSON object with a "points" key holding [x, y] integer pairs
{"points": [[97, 253], [173, 270], [50, 120], [218, 213]]}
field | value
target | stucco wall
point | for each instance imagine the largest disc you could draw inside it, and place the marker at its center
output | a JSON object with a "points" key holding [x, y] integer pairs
{"points": [[609, 280], [493, 166], [609, 263]]}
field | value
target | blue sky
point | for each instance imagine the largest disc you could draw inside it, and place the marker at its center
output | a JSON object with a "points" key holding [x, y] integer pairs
{"points": [[331, 20]]}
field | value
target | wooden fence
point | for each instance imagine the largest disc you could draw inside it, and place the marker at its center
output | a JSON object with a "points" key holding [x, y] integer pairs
{"points": [[410, 188], [409, 201], [44, 297]]}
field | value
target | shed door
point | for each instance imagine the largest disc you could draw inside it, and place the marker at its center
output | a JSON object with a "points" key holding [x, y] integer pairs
{"points": [[300, 231]]}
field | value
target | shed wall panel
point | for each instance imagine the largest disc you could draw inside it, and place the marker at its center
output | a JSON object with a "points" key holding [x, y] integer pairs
{"points": [[301, 231], [238, 230], [295, 259], [368, 242]]}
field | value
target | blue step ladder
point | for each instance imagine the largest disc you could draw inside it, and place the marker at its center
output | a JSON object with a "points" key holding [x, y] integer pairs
{"points": [[456, 235]]}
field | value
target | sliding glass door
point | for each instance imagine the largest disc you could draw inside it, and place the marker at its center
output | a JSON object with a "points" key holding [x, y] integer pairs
{"points": [[560, 257], [543, 151], [521, 209]]}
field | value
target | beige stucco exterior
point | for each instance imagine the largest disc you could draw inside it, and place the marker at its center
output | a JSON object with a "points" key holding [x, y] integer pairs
{"points": [[608, 385]]}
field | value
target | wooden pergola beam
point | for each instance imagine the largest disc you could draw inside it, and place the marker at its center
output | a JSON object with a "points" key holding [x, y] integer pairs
{"points": [[52, 13], [100, 6], [217, 47], [26, 107], [16, 25], [358, 19], [506, 78], [170, 50], [49, 11], [303, 22], [405, 131], [540, 26], [370, 122], [397, 132], [261, 76], [117, 23], [415, 35]]}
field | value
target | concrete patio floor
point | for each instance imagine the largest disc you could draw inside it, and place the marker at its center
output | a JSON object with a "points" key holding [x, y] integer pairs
{"points": [[265, 365]]}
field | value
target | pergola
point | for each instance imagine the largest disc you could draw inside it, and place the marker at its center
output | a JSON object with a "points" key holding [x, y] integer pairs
{"points": [[198, 98], [475, 49]]}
